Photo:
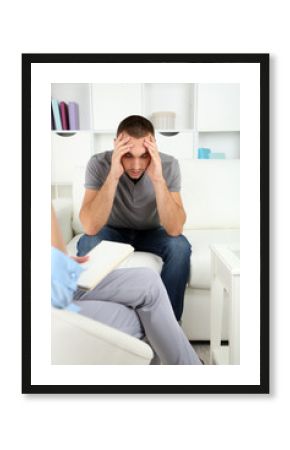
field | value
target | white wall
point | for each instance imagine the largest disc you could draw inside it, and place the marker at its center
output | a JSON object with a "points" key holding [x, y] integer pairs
{"points": [[143, 422]]}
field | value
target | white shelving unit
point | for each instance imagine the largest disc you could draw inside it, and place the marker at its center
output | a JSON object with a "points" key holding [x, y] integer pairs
{"points": [[207, 115], [218, 118], [218, 107]]}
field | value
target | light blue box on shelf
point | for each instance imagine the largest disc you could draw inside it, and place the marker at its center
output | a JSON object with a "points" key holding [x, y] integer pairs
{"points": [[204, 153], [217, 156]]}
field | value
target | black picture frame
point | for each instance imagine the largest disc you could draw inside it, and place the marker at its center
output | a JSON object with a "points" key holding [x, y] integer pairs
{"points": [[263, 61]]}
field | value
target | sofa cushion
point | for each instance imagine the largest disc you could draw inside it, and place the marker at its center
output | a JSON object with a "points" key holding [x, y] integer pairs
{"points": [[200, 241]]}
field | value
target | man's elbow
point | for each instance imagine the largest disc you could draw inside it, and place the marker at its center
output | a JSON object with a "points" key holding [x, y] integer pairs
{"points": [[176, 229], [174, 232], [90, 231], [88, 227]]}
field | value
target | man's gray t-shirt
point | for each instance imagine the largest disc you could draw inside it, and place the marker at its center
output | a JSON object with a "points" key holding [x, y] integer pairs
{"points": [[134, 204]]}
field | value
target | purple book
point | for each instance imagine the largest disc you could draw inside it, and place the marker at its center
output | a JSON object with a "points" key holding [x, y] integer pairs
{"points": [[73, 114], [64, 115]]}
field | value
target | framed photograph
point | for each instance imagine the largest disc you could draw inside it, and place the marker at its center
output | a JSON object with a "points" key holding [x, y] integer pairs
{"points": [[168, 153]]}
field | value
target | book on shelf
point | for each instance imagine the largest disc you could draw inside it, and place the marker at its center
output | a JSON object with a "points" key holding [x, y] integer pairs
{"points": [[64, 115], [73, 114], [103, 258], [52, 120], [56, 114]]}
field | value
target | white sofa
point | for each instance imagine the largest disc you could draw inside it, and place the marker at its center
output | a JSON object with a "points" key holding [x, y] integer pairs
{"points": [[210, 192], [76, 339]]}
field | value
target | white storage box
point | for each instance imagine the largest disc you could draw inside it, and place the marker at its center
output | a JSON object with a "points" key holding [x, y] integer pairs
{"points": [[164, 120]]}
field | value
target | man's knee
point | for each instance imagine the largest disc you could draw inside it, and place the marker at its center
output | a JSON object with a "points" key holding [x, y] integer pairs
{"points": [[178, 246], [87, 243]]}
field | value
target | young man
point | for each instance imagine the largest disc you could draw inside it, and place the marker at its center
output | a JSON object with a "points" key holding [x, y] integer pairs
{"points": [[132, 300], [132, 196]]}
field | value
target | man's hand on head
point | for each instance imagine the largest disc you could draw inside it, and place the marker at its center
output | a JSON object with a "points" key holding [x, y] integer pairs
{"points": [[121, 147], [154, 170]]}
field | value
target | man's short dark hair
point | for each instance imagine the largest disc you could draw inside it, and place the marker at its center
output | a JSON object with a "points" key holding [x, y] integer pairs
{"points": [[136, 126]]}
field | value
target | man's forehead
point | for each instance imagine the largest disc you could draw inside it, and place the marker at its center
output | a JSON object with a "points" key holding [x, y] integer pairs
{"points": [[138, 147], [138, 151], [136, 140]]}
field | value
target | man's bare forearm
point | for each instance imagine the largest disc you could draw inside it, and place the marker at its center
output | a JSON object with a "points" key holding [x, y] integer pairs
{"points": [[172, 215], [94, 215]]}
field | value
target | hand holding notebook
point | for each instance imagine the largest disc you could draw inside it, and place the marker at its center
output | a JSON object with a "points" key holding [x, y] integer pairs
{"points": [[103, 258]]}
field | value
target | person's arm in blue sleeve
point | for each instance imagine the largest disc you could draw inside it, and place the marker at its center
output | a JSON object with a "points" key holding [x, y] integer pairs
{"points": [[65, 271]]}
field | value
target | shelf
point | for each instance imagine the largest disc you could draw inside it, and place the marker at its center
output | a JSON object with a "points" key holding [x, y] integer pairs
{"points": [[104, 131], [157, 130], [76, 92], [218, 131], [218, 107], [180, 130], [69, 152], [103, 106], [173, 97], [69, 132], [227, 142]]}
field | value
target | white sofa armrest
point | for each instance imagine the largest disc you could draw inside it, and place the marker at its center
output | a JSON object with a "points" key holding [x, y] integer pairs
{"points": [[64, 212], [76, 339]]}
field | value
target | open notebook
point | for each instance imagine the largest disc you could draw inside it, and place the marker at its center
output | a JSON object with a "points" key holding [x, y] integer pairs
{"points": [[103, 258]]}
